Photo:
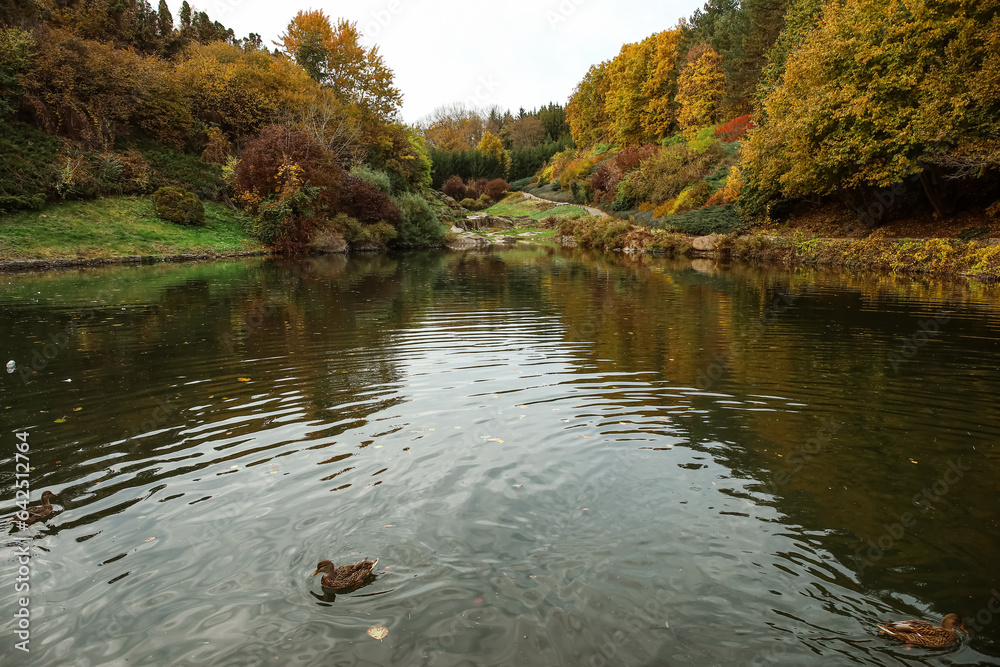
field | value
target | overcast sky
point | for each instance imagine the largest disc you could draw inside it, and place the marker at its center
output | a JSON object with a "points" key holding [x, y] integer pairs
{"points": [[514, 53]]}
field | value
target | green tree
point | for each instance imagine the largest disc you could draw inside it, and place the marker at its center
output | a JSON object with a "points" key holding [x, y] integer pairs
{"points": [[164, 20]]}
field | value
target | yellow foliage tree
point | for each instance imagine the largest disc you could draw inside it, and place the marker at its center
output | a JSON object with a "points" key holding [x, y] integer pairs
{"points": [[641, 85], [586, 112], [880, 90], [700, 88], [492, 145], [660, 88], [244, 91]]}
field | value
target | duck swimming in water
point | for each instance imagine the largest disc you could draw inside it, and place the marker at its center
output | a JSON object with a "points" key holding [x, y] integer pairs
{"points": [[345, 576], [39, 512], [922, 633]]}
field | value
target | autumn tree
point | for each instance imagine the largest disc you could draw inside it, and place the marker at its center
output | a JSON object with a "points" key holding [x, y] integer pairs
{"points": [[454, 127], [587, 109], [642, 83], [94, 93], [878, 91], [491, 145], [700, 88], [525, 132], [335, 58], [243, 91]]}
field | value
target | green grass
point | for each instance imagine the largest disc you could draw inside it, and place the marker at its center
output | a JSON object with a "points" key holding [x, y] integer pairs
{"points": [[516, 205], [119, 227]]}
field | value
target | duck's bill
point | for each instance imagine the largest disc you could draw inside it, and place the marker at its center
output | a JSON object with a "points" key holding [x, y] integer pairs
{"points": [[315, 573]]}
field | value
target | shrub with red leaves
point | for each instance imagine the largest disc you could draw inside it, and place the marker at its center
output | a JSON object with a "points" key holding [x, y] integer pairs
{"points": [[365, 202], [496, 188], [477, 188], [259, 171], [454, 188], [604, 182], [735, 129]]}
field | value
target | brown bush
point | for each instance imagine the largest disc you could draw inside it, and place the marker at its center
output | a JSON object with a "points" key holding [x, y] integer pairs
{"points": [[496, 188], [454, 188], [366, 203]]}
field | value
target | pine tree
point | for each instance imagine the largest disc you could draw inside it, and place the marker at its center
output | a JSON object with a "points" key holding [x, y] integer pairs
{"points": [[164, 20], [185, 14]]}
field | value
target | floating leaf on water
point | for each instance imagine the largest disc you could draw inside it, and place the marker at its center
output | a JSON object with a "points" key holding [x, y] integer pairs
{"points": [[149, 539], [77, 409], [912, 461], [378, 632], [60, 421], [242, 379]]}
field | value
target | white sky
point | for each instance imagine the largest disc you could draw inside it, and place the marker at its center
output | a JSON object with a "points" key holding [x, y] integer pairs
{"points": [[514, 53]]}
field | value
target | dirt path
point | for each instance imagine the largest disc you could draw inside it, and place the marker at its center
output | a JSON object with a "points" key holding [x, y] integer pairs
{"points": [[593, 211]]}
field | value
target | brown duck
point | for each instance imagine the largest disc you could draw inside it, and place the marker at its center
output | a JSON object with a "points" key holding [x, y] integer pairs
{"points": [[345, 576], [922, 633], [39, 512]]}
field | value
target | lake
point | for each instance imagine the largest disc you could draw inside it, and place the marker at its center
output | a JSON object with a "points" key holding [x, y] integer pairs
{"points": [[560, 458]]}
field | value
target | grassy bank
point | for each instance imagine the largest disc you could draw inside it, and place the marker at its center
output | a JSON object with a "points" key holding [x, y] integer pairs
{"points": [[117, 227], [517, 205]]}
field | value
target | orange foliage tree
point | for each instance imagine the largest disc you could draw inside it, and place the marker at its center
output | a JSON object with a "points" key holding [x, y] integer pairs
{"points": [[334, 57], [94, 93]]}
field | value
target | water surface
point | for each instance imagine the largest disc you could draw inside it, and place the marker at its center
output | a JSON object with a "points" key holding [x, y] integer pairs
{"points": [[560, 459]]}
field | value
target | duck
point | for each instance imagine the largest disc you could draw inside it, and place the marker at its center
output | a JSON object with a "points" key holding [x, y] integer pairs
{"points": [[345, 576], [39, 512], [922, 633]]}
